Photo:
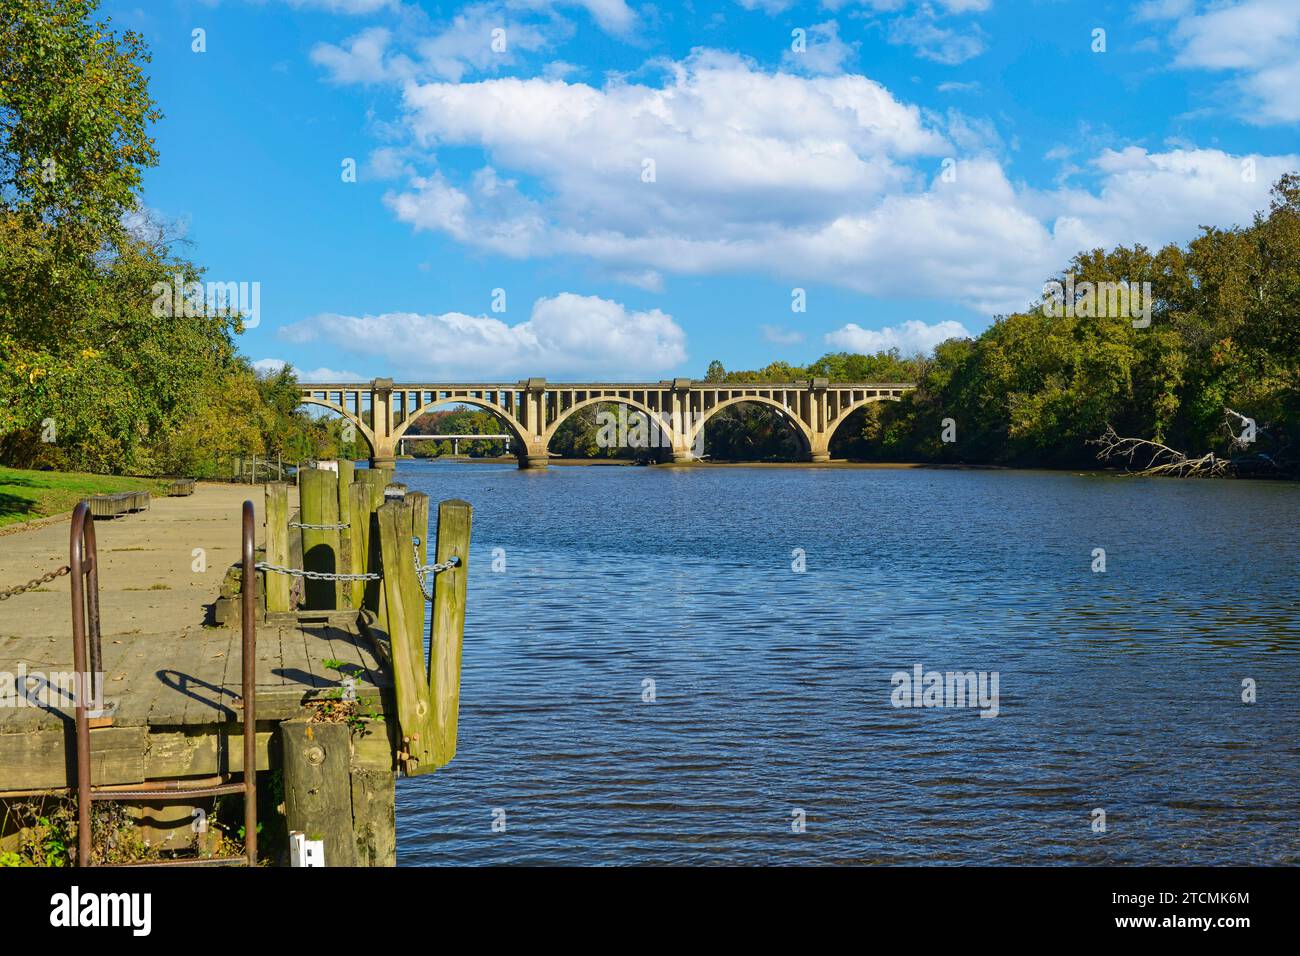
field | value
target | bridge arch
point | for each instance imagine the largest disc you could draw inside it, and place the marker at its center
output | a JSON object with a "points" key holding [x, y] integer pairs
{"points": [[664, 422], [516, 429], [834, 424], [803, 435], [345, 414]]}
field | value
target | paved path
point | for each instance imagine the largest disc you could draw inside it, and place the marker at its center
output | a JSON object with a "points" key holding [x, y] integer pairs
{"points": [[147, 580]]}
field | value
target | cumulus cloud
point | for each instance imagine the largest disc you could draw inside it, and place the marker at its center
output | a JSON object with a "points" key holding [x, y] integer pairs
{"points": [[1257, 40], [566, 334], [812, 178], [913, 337]]}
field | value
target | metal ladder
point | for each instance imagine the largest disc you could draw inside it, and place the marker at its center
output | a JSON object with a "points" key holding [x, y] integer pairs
{"points": [[86, 644]]}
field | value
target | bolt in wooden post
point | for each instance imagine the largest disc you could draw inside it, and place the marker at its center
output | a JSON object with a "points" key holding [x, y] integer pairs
{"points": [[320, 549], [276, 586], [447, 632], [406, 637]]}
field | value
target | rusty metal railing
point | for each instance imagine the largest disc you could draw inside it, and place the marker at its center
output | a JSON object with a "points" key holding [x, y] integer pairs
{"points": [[86, 649]]}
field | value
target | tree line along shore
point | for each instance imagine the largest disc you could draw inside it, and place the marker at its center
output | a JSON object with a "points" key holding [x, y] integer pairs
{"points": [[95, 380]]}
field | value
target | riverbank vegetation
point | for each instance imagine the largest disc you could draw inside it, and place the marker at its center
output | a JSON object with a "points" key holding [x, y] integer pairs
{"points": [[1213, 378], [26, 495], [95, 376]]}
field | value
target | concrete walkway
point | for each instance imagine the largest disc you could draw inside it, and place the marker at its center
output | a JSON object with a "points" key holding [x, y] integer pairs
{"points": [[147, 575]]}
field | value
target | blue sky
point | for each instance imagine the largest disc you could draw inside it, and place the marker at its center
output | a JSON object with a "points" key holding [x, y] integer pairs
{"points": [[648, 183]]}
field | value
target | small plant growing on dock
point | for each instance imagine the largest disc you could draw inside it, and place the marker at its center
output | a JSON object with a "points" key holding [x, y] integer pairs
{"points": [[342, 705]]}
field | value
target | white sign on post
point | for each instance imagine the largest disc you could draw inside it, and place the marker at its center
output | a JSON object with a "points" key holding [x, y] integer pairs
{"points": [[304, 852]]}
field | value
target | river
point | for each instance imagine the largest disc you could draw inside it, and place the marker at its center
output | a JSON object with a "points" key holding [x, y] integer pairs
{"points": [[769, 733]]}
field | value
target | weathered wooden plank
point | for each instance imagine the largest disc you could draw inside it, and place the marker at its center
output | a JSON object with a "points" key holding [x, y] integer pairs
{"points": [[276, 586], [46, 759], [317, 786], [186, 693], [406, 628], [447, 631], [374, 822]]}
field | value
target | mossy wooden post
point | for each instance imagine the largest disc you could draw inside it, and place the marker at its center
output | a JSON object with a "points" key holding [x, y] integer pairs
{"points": [[318, 786], [359, 512], [447, 632], [373, 480], [406, 636], [347, 472], [320, 549], [276, 586]]}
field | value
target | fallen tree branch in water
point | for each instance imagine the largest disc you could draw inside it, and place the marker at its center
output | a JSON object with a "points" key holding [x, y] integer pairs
{"points": [[1159, 459]]}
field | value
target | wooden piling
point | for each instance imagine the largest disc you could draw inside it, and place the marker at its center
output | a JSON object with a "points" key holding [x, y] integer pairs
{"points": [[318, 786], [347, 473], [276, 586], [405, 605], [373, 600], [447, 632], [359, 517], [320, 549]]}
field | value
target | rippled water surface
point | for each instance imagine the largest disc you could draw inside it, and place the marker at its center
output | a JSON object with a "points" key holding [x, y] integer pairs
{"points": [[772, 689]]}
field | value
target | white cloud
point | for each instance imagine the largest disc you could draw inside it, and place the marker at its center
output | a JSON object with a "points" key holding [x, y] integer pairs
{"points": [[913, 337], [613, 16], [351, 7], [647, 279], [812, 178], [1257, 40], [309, 375], [566, 334], [942, 44], [780, 336], [824, 52], [363, 59]]}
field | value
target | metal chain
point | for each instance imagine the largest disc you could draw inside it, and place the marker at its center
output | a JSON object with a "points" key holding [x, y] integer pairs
{"points": [[7, 593], [319, 527], [315, 575], [422, 571]]}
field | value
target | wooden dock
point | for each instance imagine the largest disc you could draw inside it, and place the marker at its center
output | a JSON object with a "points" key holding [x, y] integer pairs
{"points": [[170, 700], [330, 715]]}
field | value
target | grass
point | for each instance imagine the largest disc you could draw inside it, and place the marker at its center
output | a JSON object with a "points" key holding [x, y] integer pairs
{"points": [[25, 495]]}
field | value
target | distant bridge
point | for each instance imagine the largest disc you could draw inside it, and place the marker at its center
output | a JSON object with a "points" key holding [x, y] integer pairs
{"points": [[533, 409], [455, 440]]}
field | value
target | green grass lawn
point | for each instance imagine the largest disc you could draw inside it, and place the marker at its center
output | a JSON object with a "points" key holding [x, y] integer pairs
{"points": [[25, 495]]}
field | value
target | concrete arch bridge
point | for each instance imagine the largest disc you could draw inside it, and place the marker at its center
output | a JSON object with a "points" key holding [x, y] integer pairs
{"points": [[534, 409]]}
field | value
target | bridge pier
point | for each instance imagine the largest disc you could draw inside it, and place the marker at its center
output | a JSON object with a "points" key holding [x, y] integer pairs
{"points": [[532, 462]]}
